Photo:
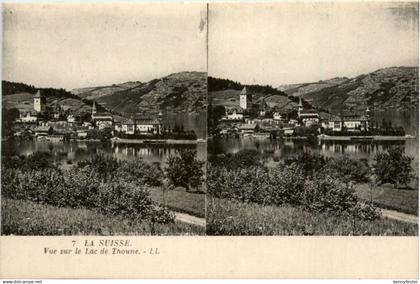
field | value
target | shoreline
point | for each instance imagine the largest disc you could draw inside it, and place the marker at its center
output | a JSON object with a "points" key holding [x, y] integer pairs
{"points": [[364, 138], [156, 141]]}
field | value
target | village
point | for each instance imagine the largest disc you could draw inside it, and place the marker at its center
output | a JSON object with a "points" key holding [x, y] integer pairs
{"points": [[259, 120], [53, 124]]}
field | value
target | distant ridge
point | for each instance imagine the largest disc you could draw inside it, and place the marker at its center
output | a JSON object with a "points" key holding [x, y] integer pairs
{"points": [[383, 89], [179, 92]]}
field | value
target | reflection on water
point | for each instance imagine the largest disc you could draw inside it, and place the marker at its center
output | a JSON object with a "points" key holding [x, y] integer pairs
{"points": [[76, 151], [190, 121], [282, 149]]}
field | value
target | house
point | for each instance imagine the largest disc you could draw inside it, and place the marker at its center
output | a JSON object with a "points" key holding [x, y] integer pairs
{"points": [[248, 128], [349, 122], [148, 125], [82, 134], [128, 126], [277, 116], [308, 117], [29, 117], [102, 120], [55, 138], [335, 123], [234, 114], [118, 126], [71, 119], [288, 131], [42, 131]]}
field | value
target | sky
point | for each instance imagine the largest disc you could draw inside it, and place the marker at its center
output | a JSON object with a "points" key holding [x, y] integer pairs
{"points": [[287, 43], [72, 45]]}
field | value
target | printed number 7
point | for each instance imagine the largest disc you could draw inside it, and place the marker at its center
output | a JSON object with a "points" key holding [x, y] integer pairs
{"points": [[74, 242]]}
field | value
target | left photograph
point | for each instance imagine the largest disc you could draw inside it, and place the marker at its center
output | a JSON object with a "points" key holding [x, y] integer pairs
{"points": [[104, 111]]}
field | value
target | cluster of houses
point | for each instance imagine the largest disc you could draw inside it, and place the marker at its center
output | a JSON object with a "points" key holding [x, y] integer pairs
{"points": [[238, 119], [58, 127]]}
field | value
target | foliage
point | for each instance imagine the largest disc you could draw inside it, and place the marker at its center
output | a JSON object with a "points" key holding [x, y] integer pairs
{"points": [[284, 185], [393, 166], [348, 169], [234, 218], [35, 161], [214, 114], [329, 194], [309, 162], [140, 173], [105, 166], [184, 169], [103, 183], [21, 217]]}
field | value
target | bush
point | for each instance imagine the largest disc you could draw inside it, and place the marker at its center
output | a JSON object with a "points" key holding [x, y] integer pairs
{"points": [[39, 186], [328, 194], [105, 166], [348, 169], [140, 173], [393, 167], [184, 169], [35, 161], [287, 185], [249, 184], [120, 198], [82, 188], [310, 162]]}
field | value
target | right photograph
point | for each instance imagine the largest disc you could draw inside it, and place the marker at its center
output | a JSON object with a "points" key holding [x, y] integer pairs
{"points": [[313, 119]]}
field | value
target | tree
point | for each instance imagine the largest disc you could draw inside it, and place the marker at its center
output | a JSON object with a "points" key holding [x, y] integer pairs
{"points": [[393, 167], [184, 169]]}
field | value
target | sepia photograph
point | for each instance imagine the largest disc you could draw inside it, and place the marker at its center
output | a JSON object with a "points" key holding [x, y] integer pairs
{"points": [[103, 119], [313, 119]]}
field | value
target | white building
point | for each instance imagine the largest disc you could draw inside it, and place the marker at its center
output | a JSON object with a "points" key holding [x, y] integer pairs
{"points": [[277, 116], [234, 114], [147, 125], [27, 118], [349, 122]]}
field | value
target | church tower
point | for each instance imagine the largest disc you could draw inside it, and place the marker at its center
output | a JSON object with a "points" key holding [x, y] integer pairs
{"points": [[244, 99], [39, 102], [93, 109], [300, 106]]}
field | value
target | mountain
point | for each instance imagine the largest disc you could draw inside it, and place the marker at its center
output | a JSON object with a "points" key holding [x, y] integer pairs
{"points": [[179, 92], [226, 92], [304, 88], [20, 96], [94, 93], [393, 88]]}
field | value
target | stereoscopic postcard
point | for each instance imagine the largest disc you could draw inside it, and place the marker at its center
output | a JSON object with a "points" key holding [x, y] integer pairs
{"points": [[210, 140]]}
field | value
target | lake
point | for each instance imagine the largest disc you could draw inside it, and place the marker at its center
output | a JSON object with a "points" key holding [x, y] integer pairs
{"points": [[76, 151], [280, 149]]}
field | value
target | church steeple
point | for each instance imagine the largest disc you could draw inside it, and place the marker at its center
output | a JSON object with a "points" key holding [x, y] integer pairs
{"points": [[300, 106], [93, 108]]}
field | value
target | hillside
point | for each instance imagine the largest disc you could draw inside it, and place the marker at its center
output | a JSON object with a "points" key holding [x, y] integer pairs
{"points": [[304, 88], [180, 92], [93, 93], [20, 96], [394, 88], [226, 92]]}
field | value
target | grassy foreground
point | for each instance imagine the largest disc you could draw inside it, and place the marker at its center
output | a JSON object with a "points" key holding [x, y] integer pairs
{"points": [[228, 217], [178, 199], [21, 217], [386, 196]]}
